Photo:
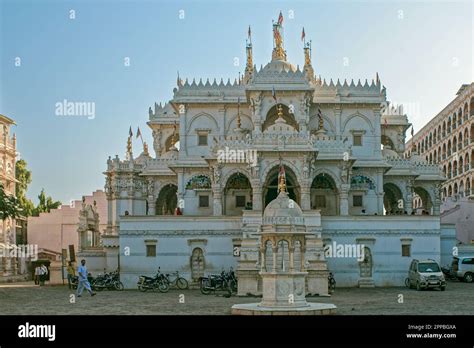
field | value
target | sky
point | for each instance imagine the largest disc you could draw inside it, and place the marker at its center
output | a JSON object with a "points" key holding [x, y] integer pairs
{"points": [[123, 56]]}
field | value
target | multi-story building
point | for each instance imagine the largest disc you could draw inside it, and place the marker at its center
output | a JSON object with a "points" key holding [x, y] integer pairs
{"points": [[8, 266], [235, 140], [448, 141]]}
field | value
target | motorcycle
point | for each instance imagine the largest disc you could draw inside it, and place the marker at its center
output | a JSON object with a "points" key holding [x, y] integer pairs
{"points": [[449, 273], [109, 281], [232, 279], [331, 283], [158, 282], [216, 282]]}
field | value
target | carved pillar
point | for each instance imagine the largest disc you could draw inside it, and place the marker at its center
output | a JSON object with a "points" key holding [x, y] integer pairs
{"points": [[274, 250], [409, 197], [217, 204], [337, 117], [183, 148], [291, 253], [257, 197], [344, 199], [151, 197], [305, 197], [436, 201]]}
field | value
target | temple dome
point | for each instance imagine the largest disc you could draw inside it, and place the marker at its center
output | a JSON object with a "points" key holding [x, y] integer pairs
{"points": [[279, 66], [283, 210]]}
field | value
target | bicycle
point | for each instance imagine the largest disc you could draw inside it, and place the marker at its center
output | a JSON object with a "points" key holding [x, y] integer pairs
{"points": [[178, 281]]}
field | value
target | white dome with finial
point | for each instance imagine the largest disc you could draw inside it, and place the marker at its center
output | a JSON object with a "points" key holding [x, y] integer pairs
{"points": [[283, 211]]}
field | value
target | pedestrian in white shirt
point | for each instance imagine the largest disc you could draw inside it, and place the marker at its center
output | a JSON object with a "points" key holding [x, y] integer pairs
{"points": [[83, 282], [43, 274]]}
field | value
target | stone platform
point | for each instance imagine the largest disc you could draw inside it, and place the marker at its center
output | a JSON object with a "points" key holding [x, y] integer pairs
{"points": [[311, 309]]}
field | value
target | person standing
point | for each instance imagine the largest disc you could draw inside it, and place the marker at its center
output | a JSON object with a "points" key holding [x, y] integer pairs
{"points": [[43, 274], [71, 273], [37, 274], [83, 281]]}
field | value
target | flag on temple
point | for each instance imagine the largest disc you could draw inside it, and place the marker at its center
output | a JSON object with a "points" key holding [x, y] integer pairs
{"points": [[274, 93], [303, 35], [280, 19]]}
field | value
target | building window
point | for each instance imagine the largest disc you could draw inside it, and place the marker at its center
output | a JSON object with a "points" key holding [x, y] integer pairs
{"points": [[204, 201], [357, 140], [202, 139], [406, 252], [240, 201], [357, 201], [320, 201], [151, 250]]}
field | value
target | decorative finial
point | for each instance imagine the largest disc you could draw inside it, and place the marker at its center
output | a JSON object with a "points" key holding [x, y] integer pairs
{"points": [[281, 179], [278, 50]]}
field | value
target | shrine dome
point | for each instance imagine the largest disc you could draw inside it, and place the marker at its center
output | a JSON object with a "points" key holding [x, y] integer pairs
{"points": [[283, 210]]}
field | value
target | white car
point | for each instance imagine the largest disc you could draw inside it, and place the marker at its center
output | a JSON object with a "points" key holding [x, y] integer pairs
{"points": [[463, 267]]}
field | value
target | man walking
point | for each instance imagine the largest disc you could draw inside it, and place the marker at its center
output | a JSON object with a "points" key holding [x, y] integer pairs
{"points": [[83, 282]]}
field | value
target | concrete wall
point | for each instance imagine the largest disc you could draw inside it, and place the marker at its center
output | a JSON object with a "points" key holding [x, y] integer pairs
{"points": [[57, 229], [384, 235], [175, 238]]}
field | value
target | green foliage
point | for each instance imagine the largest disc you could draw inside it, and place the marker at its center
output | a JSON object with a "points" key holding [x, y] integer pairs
{"points": [[23, 175], [9, 205], [45, 204]]}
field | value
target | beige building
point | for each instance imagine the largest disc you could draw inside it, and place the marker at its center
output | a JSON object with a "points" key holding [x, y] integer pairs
{"points": [[57, 229], [8, 265], [448, 140]]}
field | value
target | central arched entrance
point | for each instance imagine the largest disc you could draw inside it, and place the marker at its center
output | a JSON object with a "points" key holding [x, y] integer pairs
{"points": [[270, 189], [167, 200], [237, 194]]}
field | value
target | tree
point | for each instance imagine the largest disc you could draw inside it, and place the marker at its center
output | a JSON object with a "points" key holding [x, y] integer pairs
{"points": [[45, 204], [9, 206], [23, 175]]}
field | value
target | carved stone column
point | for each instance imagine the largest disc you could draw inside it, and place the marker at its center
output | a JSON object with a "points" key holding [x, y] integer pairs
{"points": [[409, 197], [217, 201], [305, 197], [257, 197], [344, 199]]}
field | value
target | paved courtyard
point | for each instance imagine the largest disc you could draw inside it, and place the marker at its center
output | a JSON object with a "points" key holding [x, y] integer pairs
{"points": [[26, 298]]}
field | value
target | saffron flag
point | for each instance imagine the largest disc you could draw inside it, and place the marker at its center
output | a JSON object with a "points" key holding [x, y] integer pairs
{"points": [[303, 35], [280, 19]]}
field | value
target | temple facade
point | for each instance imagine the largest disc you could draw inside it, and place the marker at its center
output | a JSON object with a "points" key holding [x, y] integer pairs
{"points": [[219, 148]]}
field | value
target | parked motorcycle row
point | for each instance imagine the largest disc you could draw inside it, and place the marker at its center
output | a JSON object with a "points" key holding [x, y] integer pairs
{"points": [[162, 282], [109, 281], [225, 282]]}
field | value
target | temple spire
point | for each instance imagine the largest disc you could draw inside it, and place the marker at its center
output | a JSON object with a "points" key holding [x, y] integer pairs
{"points": [[278, 50], [249, 67]]}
